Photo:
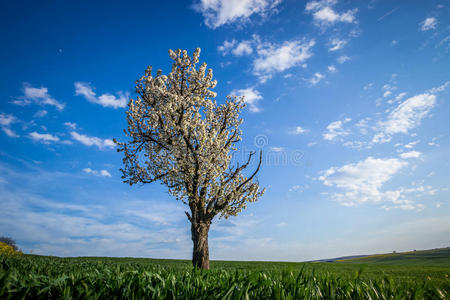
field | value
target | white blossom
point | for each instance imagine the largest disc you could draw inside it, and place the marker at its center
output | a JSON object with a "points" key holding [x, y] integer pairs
{"points": [[180, 136]]}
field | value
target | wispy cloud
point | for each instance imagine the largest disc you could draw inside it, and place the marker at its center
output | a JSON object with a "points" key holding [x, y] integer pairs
{"points": [[5, 123], [243, 48], [406, 116], [277, 149], [299, 130], [71, 229], [226, 47], [273, 58], [270, 58], [324, 14], [41, 113], [105, 100], [71, 125], [7, 120], [317, 77], [439, 89], [251, 98], [342, 59], [386, 14], [361, 183], [335, 130], [297, 188], [93, 141], [103, 173], [235, 48], [37, 95], [337, 44], [428, 24], [410, 154], [221, 12], [44, 138], [387, 94]]}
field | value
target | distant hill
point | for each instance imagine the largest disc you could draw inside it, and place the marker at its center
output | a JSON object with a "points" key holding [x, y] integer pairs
{"points": [[338, 258], [434, 257]]}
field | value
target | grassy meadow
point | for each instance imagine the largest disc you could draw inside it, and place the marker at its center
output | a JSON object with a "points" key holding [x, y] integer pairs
{"points": [[424, 275]]}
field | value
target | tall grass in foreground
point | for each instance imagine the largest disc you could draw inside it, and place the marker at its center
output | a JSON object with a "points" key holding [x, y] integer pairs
{"points": [[34, 277]]}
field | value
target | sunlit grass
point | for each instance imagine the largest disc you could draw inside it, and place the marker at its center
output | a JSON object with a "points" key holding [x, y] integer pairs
{"points": [[36, 277]]}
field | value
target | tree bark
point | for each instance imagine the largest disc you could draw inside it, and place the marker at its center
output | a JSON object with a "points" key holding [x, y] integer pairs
{"points": [[200, 255]]}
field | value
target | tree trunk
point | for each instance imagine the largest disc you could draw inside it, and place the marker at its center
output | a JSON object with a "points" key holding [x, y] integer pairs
{"points": [[200, 255]]}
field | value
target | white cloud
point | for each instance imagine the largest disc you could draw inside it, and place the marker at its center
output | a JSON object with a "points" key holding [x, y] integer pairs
{"points": [[277, 149], [243, 48], [389, 86], [299, 130], [317, 77], [273, 58], [332, 68], [44, 138], [363, 125], [410, 154], [387, 94], [337, 44], [409, 113], [361, 182], [41, 113], [221, 12], [440, 88], [335, 130], [6, 120], [298, 188], [410, 145], [63, 229], [9, 132], [406, 116], [92, 141], [105, 100], [71, 125], [400, 96], [103, 173], [324, 13], [237, 49], [368, 86], [428, 24], [251, 98], [38, 95], [42, 95], [5, 123], [342, 59], [226, 47]]}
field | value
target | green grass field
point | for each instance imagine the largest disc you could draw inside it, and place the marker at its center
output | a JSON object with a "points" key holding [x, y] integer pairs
{"points": [[39, 277], [435, 257]]}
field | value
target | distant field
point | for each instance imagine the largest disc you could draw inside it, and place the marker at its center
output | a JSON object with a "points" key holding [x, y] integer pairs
{"points": [[435, 257], [39, 277]]}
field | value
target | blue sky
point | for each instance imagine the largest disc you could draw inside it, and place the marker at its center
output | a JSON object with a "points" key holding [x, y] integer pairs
{"points": [[349, 101]]}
